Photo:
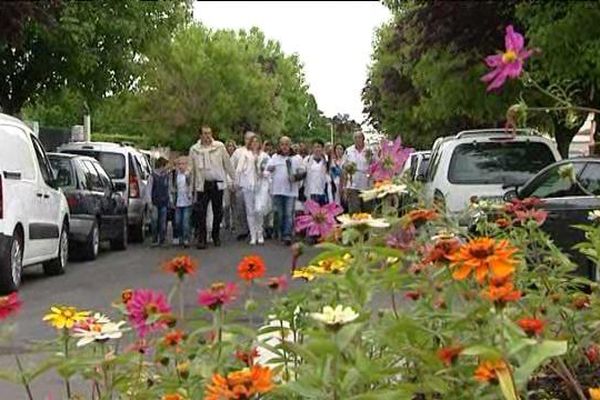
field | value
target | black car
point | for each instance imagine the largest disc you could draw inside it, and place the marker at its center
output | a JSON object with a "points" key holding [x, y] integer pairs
{"points": [[98, 210], [570, 189]]}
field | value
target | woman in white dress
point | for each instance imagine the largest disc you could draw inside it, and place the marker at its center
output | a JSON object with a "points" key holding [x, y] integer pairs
{"points": [[253, 182]]}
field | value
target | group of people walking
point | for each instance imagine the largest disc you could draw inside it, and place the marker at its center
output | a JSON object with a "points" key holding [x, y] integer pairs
{"points": [[255, 189]]}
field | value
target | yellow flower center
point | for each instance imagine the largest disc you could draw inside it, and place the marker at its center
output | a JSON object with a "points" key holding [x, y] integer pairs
{"points": [[150, 309], [381, 184], [68, 314], [509, 56], [361, 216], [96, 328], [215, 287]]}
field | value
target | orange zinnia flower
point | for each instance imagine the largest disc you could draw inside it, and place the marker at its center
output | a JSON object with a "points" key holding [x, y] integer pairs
{"points": [[181, 266], [483, 255], [531, 326], [173, 396], [251, 267], [420, 216], [126, 295], [501, 290], [487, 370], [173, 338], [240, 385], [502, 223], [448, 355]]}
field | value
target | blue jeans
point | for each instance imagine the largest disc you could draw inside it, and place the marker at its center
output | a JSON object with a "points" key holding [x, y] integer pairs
{"points": [[321, 199], [182, 223], [159, 224], [283, 206]]}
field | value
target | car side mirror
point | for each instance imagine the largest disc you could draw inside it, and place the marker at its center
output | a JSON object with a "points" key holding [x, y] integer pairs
{"points": [[119, 186], [510, 195]]}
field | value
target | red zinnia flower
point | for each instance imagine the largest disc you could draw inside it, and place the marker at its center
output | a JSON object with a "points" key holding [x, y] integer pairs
{"points": [[501, 290], [448, 355], [247, 357], [532, 326], [440, 250], [419, 216], [251, 267], [413, 295], [219, 294], [181, 266], [9, 305], [173, 338]]}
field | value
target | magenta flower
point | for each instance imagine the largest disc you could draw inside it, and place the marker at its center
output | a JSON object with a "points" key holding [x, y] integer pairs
{"points": [[217, 295], [145, 310], [391, 160], [508, 64], [318, 221], [402, 238]]}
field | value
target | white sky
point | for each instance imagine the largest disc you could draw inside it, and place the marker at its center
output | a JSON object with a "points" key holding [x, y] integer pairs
{"points": [[332, 38]]}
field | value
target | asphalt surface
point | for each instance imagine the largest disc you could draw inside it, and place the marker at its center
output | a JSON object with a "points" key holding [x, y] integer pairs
{"points": [[94, 285]]}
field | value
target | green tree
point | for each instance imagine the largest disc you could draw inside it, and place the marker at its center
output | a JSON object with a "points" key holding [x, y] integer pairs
{"points": [[93, 47]]}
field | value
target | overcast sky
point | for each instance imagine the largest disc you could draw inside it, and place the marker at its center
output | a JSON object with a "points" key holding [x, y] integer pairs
{"points": [[332, 38]]}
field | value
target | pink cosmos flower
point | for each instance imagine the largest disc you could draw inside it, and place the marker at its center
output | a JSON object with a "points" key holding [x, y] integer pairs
{"points": [[217, 295], [145, 309], [318, 221], [391, 160], [508, 64]]}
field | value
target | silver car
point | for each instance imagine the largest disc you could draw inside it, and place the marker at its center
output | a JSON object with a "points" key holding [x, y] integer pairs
{"points": [[129, 170]]}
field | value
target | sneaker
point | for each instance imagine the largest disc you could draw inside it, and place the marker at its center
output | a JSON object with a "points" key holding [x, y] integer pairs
{"points": [[287, 242], [155, 244], [176, 242], [252, 242], [186, 244], [261, 240]]}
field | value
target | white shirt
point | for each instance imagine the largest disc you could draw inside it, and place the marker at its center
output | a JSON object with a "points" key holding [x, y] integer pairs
{"points": [[316, 176], [360, 179], [184, 198], [281, 184], [250, 168]]}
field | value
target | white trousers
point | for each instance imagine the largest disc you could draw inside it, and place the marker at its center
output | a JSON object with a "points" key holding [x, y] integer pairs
{"points": [[255, 219]]}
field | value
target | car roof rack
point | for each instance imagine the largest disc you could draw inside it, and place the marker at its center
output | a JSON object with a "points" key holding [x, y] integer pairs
{"points": [[496, 131]]}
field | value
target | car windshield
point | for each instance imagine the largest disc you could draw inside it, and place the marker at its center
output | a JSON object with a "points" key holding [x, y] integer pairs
{"points": [[63, 170], [498, 162], [113, 163]]}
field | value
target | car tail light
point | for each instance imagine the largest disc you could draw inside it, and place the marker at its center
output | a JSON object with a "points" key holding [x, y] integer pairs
{"points": [[1, 199], [72, 201], [134, 186]]}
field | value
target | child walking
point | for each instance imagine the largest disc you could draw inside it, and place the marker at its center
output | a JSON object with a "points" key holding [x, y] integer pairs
{"points": [[159, 190], [182, 194]]}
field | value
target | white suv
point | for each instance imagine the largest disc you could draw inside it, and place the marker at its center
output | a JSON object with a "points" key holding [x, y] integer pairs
{"points": [[482, 164], [34, 215], [129, 170]]}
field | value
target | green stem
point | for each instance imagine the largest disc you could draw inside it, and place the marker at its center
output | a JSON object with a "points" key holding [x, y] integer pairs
{"points": [[285, 355], [66, 345], [394, 308], [23, 378], [181, 303]]}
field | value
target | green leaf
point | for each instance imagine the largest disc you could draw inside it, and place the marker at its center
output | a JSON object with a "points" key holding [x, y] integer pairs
{"points": [[537, 356], [346, 334], [486, 352]]}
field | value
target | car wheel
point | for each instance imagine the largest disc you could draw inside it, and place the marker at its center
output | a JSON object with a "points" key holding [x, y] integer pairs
{"points": [[11, 265], [58, 265], [92, 246], [120, 243], [138, 232]]}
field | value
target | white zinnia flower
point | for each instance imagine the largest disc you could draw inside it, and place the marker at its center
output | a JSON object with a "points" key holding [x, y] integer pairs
{"points": [[382, 190], [361, 219], [97, 328], [339, 315], [594, 215]]}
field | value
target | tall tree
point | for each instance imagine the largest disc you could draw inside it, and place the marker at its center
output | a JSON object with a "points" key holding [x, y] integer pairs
{"points": [[95, 47]]}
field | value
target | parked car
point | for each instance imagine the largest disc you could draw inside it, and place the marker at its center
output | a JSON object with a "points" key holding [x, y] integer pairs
{"points": [[34, 215], [97, 208], [417, 163], [483, 163], [129, 170], [569, 190]]}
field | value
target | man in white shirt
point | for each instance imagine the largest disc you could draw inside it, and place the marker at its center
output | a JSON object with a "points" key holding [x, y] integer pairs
{"points": [[358, 158], [210, 167], [240, 224], [287, 171], [317, 174]]}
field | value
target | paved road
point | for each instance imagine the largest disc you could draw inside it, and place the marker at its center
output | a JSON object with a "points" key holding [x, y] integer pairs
{"points": [[94, 285]]}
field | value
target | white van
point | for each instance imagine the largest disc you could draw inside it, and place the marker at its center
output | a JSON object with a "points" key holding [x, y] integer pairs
{"points": [[34, 214], [483, 164]]}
